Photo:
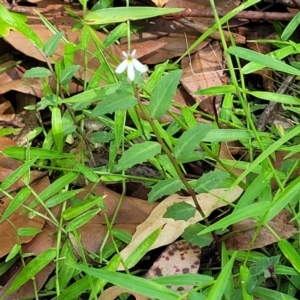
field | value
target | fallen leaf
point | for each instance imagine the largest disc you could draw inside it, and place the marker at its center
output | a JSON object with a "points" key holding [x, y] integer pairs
{"points": [[245, 231], [178, 258]]}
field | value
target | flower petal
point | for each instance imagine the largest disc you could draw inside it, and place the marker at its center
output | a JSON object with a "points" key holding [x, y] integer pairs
{"points": [[133, 53], [125, 54], [139, 66], [122, 66], [130, 71]]}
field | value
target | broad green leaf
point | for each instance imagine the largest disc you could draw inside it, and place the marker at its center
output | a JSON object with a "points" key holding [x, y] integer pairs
{"points": [[245, 277], [164, 187], [93, 94], [190, 234], [184, 279], [138, 153], [122, 14], [254, 189], [218, 288], [262, 59], [16, 174], [31, 269], [212, 180], [87, 172], [61, 197], [115, 34], [28, 231], [16, 202], [217, 90], [269, 294], [100, 137], [81, 220], [140, 251], [37, 72], [291, 27], [253, 210], [18, 22], [180, 211], [190, 140], [133, 283], [80, 208], [122, 235], [282, 199], [20, 153], [67, 74], [163, 94], [290, 253], [52, 44], [57, 186], [57, 128], [13, 252], [275, 97], [277, 54], [226, 135], [118, 101]]}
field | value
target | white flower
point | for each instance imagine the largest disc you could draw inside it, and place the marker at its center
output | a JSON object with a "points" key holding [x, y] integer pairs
{"points": [[131, 64]]}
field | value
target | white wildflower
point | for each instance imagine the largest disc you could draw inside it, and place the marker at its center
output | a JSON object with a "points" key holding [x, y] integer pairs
{"points": [[131, 64]]}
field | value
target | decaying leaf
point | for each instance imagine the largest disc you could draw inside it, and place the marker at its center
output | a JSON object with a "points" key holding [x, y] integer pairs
{"points": [[178, 258], [172, 229], [245, 230]]}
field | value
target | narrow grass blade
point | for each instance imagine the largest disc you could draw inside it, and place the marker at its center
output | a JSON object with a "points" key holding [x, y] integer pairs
{"points": [[290, 253]]}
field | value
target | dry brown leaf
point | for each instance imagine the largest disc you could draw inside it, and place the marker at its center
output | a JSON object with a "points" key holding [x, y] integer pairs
{"points": [[8, 232], [178, 258], [160, 3], [202, 70], [171, 229], [115, 291], [246, 228]]}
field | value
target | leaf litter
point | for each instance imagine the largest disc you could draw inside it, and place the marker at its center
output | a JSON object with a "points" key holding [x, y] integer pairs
{"points": [[161, 40]]}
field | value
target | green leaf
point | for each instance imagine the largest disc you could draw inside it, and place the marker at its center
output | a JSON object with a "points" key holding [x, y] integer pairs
{"points": [[122, 14], [291, 27], [218, 288], [31, 269], [61, 197], [16, 202], [87, 172], [20, 153], [269, 294], [37, 72], [28, 231], [137, 154], [139, 252], [135, 284], [290, 253], [167, 186], [13, 252], [57, 186], [57, 128], [217, 90], [184, 279], [275, 97], [81, 220], [190, 234], [163, 94], [81, 207], [118, 101], [101, 137], [180, 211], [263, 60], [67, 74], [16, 174], [253, 210], [190, 140], [212, 180], [52, 44]]}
